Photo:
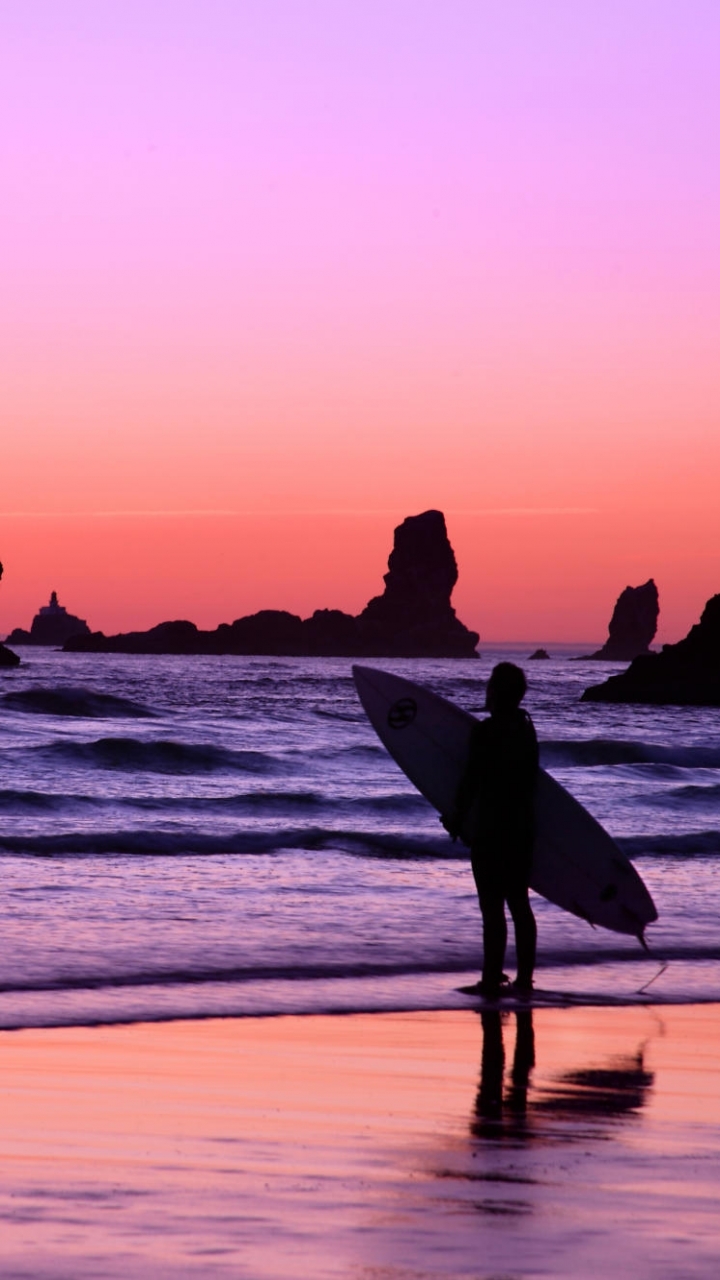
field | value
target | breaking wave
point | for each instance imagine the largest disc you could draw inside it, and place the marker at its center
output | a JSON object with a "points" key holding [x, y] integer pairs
{"points": [[607, 751], [16, 801], [274, 803], [163, 756], [75, 702], [694, 793], [153, 842], [686, 845]]}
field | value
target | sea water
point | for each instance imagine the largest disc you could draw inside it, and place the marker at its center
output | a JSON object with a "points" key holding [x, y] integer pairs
{"points": [[190, 837]]}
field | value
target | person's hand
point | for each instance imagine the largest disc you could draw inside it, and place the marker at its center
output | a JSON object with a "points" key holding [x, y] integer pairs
{"points": [[451, 824]]}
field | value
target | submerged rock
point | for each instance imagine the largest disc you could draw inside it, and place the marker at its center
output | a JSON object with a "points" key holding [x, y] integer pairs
{"points": [[412, 618], [52, 625], [632, 626], [684, 674]]}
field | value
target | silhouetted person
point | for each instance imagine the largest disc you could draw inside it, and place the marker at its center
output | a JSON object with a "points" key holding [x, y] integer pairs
{"points": [[496, 798]]}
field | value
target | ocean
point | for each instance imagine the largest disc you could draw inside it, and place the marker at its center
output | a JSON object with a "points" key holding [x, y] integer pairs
{"points": [[187, 837]]}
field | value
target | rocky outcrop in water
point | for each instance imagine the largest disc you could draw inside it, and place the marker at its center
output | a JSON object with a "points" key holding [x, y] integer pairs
{"points": [[632, 626], [414, 615], [7, 657], [52, 625], [685, 674], [540, 655], [412, 618]]}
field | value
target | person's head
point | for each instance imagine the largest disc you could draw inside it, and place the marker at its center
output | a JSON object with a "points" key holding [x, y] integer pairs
{"points": [[506, 687]]}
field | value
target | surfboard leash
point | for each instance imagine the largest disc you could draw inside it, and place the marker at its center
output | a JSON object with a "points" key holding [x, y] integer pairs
{"points": [[654, 978]]}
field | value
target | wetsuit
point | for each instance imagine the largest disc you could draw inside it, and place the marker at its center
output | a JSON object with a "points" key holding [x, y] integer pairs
{"points": [[497, 792]]}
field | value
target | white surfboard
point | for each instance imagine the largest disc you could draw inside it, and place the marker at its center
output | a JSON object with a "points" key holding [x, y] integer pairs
{"points": [[576, 864]]}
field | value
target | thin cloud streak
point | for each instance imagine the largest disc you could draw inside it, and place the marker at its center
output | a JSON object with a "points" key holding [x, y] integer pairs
{"points": [[285, 513]]}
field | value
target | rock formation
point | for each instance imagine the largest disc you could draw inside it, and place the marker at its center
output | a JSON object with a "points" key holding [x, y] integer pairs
{"points": [[52, 625], [412, 618], [685, 674], [7, 657], [538, 655], [632, 626]]}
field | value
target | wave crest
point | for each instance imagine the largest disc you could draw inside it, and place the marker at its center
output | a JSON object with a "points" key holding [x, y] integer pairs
{"points": [[689, 844], [84, 703], [153, 843], [159, 756], [591, 752]]}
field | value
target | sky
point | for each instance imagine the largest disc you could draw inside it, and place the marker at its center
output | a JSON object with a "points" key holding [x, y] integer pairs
{"points": [[275, 275]]}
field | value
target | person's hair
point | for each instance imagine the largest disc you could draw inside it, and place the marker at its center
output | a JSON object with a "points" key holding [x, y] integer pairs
{"points": [[508, 684]]}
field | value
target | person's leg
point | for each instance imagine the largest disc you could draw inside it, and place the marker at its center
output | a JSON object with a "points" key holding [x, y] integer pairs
{"points": [[492, 906], [525, 936]]}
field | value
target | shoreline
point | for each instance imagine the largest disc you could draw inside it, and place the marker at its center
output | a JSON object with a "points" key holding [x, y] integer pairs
{"points": [[463, 1143], [632, 982]]}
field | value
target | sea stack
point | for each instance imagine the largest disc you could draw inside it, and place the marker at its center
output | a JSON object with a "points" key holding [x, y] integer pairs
{"points": [[684, 674], [52, 625], [413, 618], [632, 626]]}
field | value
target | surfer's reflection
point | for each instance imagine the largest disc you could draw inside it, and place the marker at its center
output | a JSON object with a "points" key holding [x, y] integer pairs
{"points": [[495, 1105], [503, 1108]]}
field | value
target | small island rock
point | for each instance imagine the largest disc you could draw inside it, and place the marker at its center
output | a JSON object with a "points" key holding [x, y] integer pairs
{"points": [[538, 655], [52, 625]]}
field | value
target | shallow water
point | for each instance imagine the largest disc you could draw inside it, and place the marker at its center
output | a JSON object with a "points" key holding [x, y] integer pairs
{"points": [[198, 836]]}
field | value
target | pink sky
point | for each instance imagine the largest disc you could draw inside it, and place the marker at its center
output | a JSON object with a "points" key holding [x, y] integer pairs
{"points": [[276, 275]]}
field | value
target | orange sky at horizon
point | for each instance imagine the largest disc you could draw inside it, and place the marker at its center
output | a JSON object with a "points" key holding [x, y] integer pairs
{"points": [[281, 274], [215, 568]]}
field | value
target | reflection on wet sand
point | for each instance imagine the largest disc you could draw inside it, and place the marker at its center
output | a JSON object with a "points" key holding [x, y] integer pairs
{"points": [[511, 1108]]}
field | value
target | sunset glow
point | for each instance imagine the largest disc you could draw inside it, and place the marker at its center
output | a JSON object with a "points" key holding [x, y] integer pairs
{"points": [[279, 274]]}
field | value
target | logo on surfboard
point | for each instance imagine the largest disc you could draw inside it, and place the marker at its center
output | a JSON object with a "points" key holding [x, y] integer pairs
{"points": [[402, 713]]}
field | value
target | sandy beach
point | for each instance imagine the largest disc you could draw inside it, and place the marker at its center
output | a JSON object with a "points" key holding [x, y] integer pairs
{"points": [[568, 1142]]}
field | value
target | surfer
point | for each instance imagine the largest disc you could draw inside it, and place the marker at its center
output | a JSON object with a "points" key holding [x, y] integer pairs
{"points": [[497, 792]]}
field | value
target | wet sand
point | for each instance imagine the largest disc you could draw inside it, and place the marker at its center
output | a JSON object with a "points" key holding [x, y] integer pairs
{"points": [[570, 1142]]}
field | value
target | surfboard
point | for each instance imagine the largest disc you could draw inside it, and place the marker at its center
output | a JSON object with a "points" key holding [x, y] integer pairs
{"points": [[576, 864]]}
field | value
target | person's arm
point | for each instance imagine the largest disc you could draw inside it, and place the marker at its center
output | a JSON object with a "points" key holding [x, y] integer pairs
{"points": [[465, 794], [533, 753]]}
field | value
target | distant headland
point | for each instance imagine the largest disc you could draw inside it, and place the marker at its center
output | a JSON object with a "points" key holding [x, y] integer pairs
{"points": [[413, 618]]}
